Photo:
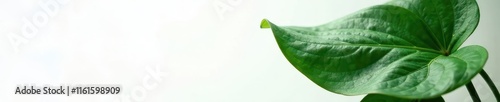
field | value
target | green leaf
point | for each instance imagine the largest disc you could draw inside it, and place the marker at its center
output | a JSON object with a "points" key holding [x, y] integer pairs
{"points": [[404, 48], [451, 21], [385, 98]]}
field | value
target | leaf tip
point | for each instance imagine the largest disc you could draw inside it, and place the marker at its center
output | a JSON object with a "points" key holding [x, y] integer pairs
{"points": [[265, 24]]}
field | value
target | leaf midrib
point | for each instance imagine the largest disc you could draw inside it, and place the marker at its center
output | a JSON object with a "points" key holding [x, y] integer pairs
{"points": [[397, 46], [381, 45]]}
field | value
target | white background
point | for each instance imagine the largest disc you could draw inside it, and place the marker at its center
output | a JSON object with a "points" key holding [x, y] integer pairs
{"points": [[203, 55]]}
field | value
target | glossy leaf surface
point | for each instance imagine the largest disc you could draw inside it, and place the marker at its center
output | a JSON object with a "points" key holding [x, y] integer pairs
{"points": [[404, 48]]}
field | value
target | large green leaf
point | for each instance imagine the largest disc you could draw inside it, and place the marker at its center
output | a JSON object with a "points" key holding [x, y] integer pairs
{"points": [[404, 48], [385, 98]]}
